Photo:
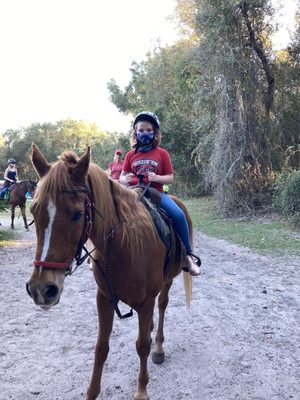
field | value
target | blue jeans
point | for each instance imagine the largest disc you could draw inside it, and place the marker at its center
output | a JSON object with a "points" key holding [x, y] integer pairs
{"points": [[3, 191], [178, 217]]}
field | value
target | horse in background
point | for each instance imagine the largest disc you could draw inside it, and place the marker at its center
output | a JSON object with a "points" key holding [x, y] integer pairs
{"points": [[76, 200], [17, 197]]}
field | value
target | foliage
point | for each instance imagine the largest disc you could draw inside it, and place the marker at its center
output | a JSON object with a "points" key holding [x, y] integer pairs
{"points": [[214, 92], [164, 83], [55, 138], [267, 234], [287, 195], [287, 67], [233, 90], [228, 104]]}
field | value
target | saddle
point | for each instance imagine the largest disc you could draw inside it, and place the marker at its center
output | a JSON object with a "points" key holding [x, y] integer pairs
{"points": [[10, 188], [151, 199]]}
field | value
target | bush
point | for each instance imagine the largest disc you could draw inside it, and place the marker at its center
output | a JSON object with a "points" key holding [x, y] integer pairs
{"points": [[286, 199]]}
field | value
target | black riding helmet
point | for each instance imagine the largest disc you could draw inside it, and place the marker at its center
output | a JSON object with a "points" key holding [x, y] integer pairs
{"points": [[11, 161], [147, 116]]}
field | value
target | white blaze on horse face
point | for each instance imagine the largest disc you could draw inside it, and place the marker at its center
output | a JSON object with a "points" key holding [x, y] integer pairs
{"points": [[48, 231]]}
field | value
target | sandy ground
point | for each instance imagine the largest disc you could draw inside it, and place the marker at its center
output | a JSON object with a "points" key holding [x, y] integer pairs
{"points": [[240, 339]]}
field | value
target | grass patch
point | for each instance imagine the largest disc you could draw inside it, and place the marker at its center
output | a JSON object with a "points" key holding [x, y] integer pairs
{"points": [[9, 237], [262, 234]]}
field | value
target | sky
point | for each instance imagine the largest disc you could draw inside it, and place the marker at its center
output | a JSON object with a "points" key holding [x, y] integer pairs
{"points": [[285, 17], [57, 56]]}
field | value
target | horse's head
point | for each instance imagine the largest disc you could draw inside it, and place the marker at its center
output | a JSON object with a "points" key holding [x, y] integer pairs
{"points": [[59, 210], [32, 184]]}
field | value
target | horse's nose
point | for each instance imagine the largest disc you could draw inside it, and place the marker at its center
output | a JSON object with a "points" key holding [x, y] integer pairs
{"points": [[28, 289], [50, 291]]}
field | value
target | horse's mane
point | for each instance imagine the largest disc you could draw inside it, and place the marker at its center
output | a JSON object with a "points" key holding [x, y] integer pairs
{"points": [[114, 202], [115, 199], [22, 182]]}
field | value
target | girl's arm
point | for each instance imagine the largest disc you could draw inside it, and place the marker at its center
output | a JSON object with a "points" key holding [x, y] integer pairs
{"points": [[163, 179], [6, 177]]}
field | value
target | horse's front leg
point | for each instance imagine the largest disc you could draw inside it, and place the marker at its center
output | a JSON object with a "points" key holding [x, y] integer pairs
{"points": [[158, 356], [105, 316], [143, 344], [12, 215], [23, 212]]}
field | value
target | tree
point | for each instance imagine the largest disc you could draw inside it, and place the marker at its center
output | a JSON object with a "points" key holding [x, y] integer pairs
{"points": [[234, 45], [55, 138], [286, 153], [164, 84]]}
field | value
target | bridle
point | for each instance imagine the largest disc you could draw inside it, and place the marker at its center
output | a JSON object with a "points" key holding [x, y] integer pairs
{"points": [[89, 209], [87, 227]]}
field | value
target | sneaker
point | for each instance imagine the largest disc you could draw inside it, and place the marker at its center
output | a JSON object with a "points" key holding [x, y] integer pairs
{"points": [[193, 267]]}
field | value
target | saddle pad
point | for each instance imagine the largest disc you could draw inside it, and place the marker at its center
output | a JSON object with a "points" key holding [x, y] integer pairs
{"points": [[162, 222]]}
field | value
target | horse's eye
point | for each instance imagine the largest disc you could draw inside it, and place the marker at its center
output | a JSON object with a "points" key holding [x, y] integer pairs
{"points": [[76, 216]]}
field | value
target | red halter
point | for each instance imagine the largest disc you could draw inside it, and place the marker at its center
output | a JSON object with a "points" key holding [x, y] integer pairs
{"points": [[51, 264]]}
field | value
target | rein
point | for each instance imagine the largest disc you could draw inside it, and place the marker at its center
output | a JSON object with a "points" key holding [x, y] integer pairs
{"points": [[88, 223]]}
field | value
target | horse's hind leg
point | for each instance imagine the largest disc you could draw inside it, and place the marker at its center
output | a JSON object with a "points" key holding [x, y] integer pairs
{"points": [[23, 212], [105, 316], [158, 356], [12, 213], [143, 345]]}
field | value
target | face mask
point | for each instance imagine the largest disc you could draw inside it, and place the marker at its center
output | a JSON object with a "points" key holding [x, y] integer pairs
{"points": [[145, 138]]}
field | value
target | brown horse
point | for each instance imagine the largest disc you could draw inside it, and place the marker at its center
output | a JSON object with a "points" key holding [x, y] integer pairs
{"points": [[17, 197], [74, 200]]}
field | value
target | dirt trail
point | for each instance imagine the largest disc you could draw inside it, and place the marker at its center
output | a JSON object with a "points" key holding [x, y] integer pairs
{"points": [[240, 339]]}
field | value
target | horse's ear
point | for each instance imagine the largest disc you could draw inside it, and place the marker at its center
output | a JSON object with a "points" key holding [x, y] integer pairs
{"points": [[80, 170], [38, 160]]}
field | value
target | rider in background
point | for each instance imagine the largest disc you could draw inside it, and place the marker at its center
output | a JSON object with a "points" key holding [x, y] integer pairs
{"points": [[10, 176], [154, 163], [115, 167]]}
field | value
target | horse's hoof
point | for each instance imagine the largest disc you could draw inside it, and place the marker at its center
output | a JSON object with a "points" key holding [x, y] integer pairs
{"points": [[141, 396], [92, 395], [158, 358], [93, 392]]}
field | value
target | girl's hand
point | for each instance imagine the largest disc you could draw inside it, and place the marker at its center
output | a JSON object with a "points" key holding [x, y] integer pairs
{"points": [[153, 177], [128, 177], [131, 178]]}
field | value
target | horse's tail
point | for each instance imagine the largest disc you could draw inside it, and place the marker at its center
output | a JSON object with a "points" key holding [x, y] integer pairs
{"points": [[187, 279], [188, 286]]}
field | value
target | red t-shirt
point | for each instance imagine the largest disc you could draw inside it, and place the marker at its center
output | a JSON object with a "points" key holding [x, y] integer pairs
{"points": [[156, 160], [116, 169]]}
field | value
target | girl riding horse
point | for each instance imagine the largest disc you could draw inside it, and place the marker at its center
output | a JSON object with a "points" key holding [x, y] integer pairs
{"points": [[154, 162], [10, 176], [76, 200]]}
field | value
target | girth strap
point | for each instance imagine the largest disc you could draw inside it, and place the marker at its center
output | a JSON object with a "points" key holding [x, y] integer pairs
{"points": [[113, 298]]}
